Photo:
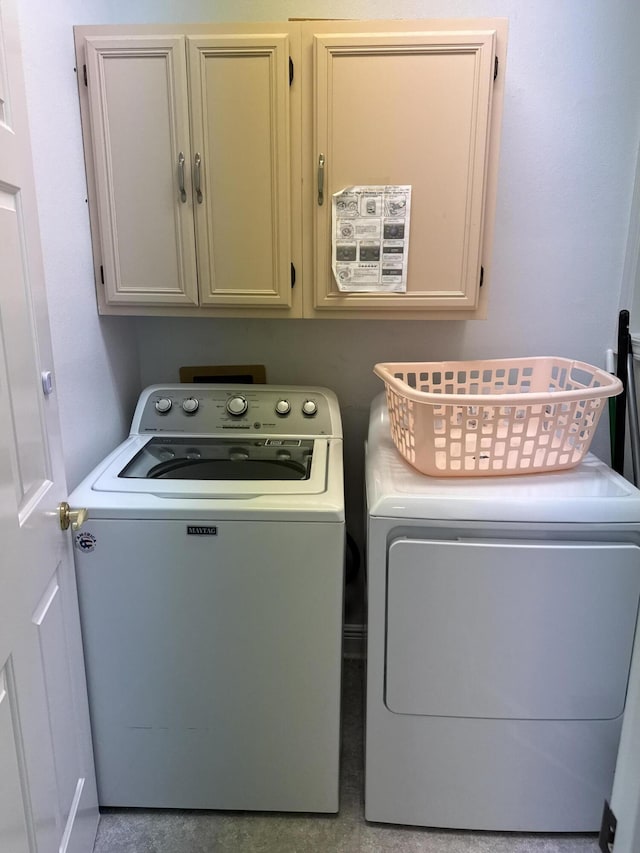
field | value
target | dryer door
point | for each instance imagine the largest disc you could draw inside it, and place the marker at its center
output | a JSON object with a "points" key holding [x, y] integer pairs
{"points": [[510, 629]]}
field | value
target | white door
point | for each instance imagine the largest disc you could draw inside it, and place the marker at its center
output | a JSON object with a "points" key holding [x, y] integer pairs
{"points": [[47, 783]]}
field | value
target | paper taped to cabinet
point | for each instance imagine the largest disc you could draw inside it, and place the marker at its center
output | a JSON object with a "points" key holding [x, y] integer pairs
{"points": [[370, 238]]}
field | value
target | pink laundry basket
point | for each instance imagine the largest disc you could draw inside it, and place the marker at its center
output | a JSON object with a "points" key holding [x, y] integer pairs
{"points": [[493, 418]]}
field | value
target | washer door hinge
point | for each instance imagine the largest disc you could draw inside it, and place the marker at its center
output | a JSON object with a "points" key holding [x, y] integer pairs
{"points": [[495, 68], [293, 276], [290, 71]]}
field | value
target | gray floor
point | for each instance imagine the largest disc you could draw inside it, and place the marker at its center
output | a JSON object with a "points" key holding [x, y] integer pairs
{"points": [[140, 831]]}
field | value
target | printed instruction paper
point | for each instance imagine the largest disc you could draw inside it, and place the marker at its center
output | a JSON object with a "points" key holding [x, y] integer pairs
{"points": [[370, 238]]}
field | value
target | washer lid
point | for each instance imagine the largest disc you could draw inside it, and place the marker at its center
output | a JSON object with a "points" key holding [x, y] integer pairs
{"points": [[197, 467], [320, 497], [213, 459], [591, 492]]}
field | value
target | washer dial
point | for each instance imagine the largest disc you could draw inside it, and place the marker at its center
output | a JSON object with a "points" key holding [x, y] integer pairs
{"points": [[309, 408], [237, 405], [163, 405], [283, 407], [190, 405]]}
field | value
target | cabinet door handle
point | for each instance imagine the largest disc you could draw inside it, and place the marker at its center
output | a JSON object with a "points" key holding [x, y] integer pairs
{"points": [[197, 162], [183, 192], [321, 179]]}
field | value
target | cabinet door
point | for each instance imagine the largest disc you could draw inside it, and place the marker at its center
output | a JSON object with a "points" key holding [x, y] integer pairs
{"points": [[407, 107], [240, 133], [140, 135]]}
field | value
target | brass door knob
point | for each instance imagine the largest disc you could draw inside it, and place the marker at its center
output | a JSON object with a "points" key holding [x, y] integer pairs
{"points": [[73, 518]]}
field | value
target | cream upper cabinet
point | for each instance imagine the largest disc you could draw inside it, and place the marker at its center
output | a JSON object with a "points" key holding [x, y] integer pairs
{"points": [[411, 103], [206, 146], [239, 88], [187, 143], [139, 122]]}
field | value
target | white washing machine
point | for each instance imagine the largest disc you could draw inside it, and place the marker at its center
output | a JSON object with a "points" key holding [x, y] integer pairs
{"points": [[501, 620], [210, 578]]}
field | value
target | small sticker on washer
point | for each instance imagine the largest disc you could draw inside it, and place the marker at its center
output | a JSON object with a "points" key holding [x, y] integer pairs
{"points": [[85, 542], [197, 530]]}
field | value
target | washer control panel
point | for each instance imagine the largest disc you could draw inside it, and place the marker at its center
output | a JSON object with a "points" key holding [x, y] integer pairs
{"points": [[224, 409]]}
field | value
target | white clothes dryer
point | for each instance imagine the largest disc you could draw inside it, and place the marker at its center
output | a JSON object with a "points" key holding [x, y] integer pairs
{"points": [[501, 620], [210, 578]]}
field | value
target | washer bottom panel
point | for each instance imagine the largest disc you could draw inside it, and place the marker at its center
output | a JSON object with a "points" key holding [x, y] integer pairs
{"points": [[213, 663]]}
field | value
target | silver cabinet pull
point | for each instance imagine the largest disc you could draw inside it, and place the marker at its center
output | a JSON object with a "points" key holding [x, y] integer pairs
{"points": [[183, 192], [321, 179], [196, 170]]}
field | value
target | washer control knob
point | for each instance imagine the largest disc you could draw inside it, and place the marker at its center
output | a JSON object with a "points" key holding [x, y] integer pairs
{"points": [[237, 405], [283, 407], [163, 405], [309, 408], [190, 405]]}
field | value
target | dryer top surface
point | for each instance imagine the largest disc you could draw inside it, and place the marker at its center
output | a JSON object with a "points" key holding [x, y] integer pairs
{"points": [[589, 493]]}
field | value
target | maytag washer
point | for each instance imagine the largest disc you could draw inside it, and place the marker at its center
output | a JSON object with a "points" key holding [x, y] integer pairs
{"points": [[210, 577], [501, 624]]}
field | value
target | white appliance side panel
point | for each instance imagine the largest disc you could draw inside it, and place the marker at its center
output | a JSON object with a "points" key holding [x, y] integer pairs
{"points": [[514, 630], [214, 662]]}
